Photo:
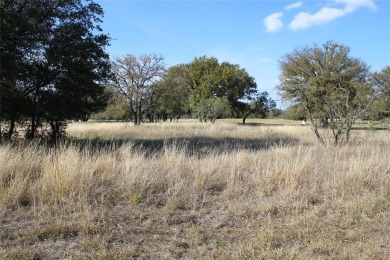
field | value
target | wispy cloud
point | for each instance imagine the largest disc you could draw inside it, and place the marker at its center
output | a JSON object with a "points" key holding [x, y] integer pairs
{"points": [[273, 23], [325, 15], [293, 5], [352, 5]]}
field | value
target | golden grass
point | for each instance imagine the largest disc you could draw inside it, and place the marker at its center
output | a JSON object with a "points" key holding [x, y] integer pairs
{"points": [[189, 128], [155, 195]]}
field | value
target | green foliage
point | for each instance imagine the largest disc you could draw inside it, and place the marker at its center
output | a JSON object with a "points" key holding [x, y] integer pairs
{"points": [[330, 85], [274, 113], [204, 78], [116, 109], [212, 109], [210, 81], [52, 62], [294, 112], [380, 109], [174, 91], [259, 105]]}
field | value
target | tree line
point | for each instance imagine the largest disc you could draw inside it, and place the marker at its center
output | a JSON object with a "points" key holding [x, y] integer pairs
{"points": [[54, 68], [141, 87]]}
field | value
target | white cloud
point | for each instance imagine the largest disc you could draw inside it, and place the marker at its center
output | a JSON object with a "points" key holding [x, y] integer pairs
{"points": [[352, 5], [305, 20], [293, 5], [273, 23]]}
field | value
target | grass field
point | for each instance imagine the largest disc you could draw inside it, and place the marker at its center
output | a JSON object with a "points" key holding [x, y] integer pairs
{"points": [[188, 190]]}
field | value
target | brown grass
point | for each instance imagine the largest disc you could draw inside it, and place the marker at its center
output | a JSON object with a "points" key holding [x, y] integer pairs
{"points": [[190, 190]]}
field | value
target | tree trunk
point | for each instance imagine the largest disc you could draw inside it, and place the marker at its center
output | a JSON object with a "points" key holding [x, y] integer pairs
{"points": [[137, 119], [245, 116], [31, 134], [85, 118], [55, 131], [324, 122], [11, 129]]}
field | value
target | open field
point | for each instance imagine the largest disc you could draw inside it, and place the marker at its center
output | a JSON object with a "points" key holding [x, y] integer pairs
{"points": [[196, 191]]}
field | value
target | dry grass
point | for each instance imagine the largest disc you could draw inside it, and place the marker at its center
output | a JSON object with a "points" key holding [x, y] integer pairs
{"points": [[154, 194]]}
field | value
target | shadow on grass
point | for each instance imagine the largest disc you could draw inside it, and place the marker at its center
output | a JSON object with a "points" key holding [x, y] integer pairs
{"points": [[197, 146]]}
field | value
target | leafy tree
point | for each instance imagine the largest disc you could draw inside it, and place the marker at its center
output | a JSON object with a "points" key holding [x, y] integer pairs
{"points": [[259, 105], [135, 79], [19, 35], [235, 84], [174, 90], [380, 108], [212, 108], [294, 112], [203, 77], [116, 108], [330, 85], [275, 112], [53, 58], [76, 59], [210, 79]]}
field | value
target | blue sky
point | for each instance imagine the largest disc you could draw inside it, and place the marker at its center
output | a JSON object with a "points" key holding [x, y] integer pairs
{"points": [[252, 33]]}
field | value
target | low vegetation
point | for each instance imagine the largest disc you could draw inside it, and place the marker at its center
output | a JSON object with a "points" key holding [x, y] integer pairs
{"points": [[192, 190]]}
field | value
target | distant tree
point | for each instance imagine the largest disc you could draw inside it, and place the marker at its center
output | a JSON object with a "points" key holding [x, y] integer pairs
{"points": [[116, 108], [174, 91], [211, 80], [210, 109], [330, 85], [203, 78], [294, 112], [135, 79], [380, 108], [274, 113], [259, 105]]}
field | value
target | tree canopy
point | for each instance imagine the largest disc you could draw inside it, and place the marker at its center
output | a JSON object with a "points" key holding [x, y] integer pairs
{"points": [[174, 91], [380, 108], [135, 78], [259, 105], [329, 84], [53, 62], [210, 79]]}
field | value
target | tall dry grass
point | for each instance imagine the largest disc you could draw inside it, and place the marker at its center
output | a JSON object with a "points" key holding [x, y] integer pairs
{"points": [[290, 198]]}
